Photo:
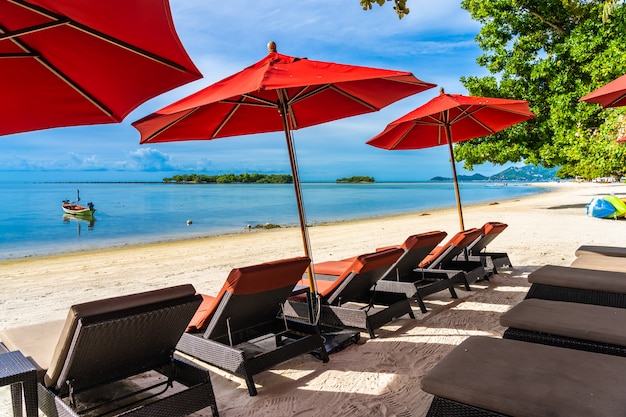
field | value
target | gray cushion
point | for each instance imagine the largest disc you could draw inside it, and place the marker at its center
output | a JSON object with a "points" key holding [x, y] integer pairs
{"points": [[579, 321], [36, 342], [600, 262], [601, 250], [582, 278], [526, 379]]}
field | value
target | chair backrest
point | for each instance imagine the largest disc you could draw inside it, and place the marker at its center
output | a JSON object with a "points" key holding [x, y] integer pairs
{"points": [[357, 280], [111, 339], [416, 248], [489, 232], [251, 297], [443, 254]]}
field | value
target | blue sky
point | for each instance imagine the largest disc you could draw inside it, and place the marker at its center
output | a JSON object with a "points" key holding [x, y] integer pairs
{"points": [[435, 42]]}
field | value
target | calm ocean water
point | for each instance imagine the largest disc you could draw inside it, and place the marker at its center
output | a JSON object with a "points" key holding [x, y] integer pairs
{"points": [[32, 222]]}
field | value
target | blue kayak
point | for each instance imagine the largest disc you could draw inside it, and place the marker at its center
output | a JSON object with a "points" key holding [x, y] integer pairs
{"points": [[601, 208]]}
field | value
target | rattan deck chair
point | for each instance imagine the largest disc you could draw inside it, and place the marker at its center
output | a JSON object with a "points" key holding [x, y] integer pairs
{"points": [[243, 329], [489, 377], [477, 250], [578, 285], [349, 294], [444, 261], [571, 325], [401, 276], [109, 341]]}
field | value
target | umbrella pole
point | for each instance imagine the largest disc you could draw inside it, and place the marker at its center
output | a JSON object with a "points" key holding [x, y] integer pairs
{"points": [[298, 191], [456, 182]]}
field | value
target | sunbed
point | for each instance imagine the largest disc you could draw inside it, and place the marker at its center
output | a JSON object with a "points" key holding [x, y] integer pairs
{"points": [[565, 324], [599, 261], [444, 261], [401, 276], [243, 330], [478, 248], [486, 376], [106, 341], [579, 285], [349, 294]]}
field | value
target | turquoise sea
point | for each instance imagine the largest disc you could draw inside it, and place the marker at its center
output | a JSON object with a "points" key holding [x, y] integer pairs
{"points": [[32, 222]]}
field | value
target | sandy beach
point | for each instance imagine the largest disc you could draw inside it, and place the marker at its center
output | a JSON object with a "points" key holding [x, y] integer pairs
{"points": [[378, 377]]}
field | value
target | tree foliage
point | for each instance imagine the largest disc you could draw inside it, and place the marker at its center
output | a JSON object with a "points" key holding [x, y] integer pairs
{"points": [[399, 6], [244, 178], [551, 53]]}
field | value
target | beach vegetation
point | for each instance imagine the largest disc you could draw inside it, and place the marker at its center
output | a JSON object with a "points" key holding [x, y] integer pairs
{"points": [[357, 179], [245, 178], [551, 53]]}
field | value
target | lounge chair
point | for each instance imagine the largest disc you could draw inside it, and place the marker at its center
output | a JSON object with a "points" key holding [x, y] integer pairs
{"points": [[486, 376], [478, 248], [401, 276], [349, 295], [107, 341], [243, 330], [602, 262], [443, 261], [571, 325], [578, 285]]}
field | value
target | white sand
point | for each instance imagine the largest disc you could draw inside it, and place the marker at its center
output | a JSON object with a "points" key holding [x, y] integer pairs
{"points": [[379, 377]]}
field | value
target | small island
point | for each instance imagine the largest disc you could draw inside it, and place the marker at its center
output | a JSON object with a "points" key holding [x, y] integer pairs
{"points": [[355, 180], [230, 179]]}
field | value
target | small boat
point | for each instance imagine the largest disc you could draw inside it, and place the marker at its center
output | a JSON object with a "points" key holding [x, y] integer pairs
{"points": [[76, 209]]}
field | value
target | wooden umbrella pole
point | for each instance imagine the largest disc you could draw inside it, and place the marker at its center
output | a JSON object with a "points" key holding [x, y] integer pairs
{"points": [[298, 192], [456, 182]]}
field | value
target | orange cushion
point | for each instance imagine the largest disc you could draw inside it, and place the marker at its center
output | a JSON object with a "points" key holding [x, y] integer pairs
{"points": [[493, 228], [251, 280]]}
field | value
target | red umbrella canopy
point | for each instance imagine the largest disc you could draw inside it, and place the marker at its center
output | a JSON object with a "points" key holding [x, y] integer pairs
{"points": [[251, 100], [467, 117], [279, 93], [612, 94], [67, 63], [450, 118]]}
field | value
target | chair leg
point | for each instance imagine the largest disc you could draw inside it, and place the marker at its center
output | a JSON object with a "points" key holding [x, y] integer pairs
{"points": [[16, 399], [452, 291], [250, 383], [420, 302]]}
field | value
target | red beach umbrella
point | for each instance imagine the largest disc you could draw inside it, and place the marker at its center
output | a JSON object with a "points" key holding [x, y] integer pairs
{"points": [[69, 63], [279, 93], [612, 94], [450, 118]]}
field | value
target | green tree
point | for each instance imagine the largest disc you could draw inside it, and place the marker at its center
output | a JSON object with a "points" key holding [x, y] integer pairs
{"points": [[551, 53]]}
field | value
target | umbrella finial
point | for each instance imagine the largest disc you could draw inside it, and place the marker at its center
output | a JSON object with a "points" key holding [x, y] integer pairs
{"points": [[271, 46], [441, 90]]}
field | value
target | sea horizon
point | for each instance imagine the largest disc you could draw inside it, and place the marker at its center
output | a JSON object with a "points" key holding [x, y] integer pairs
{"points": [[141, 212]]}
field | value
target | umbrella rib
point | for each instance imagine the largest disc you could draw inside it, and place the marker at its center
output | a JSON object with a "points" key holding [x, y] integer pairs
{"points": [[167, 126], [62, 20], [299, 97], [34, 54], [612, 103]]}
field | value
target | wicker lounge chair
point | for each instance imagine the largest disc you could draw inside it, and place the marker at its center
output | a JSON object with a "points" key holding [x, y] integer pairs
{"points": [[571, 325], [243, 330], [444, 261], [111, 340], [401, 276], [477, 250], [349, 294], [486, 376], [578, 285]]}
